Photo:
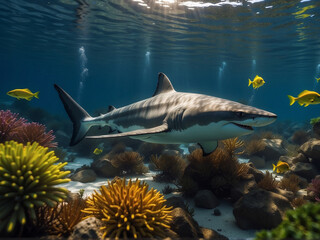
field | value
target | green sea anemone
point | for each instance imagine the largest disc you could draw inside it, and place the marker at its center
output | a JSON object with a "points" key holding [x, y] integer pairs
{"points": [[28, 177], [129, 210]]}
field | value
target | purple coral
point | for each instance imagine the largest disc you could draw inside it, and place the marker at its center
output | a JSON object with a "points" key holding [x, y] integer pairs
{"points": [[10, 125], [35, 132], [314, 187]]}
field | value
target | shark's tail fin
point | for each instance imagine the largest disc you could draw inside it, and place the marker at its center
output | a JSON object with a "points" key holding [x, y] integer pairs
{"points": [[249, 82], [292, 99], [76, 113]]}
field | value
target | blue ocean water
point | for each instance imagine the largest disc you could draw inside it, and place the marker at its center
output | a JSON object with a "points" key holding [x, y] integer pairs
{"points": [[109, 52]]}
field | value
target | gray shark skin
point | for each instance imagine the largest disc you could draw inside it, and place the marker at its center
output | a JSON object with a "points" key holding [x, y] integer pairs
{"points": [[170, 117]]}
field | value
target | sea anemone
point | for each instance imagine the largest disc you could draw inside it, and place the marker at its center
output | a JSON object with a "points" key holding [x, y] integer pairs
{"points": [[27, 180], [35, 132], [10, 125], [314, 187], [129, 210]]}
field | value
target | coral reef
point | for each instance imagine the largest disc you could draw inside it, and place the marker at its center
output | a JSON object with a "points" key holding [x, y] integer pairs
{"points": [[129, 210], [28, 175], [314, 187], [253, 146], [10, 125], [268, 182], [290, 183], [35, 132], [217, 171], [301, 223], [129, 163], [172, 167]]}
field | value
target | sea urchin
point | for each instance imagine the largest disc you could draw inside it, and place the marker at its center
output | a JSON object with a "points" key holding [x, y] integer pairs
{"points": [[27, 179], [129, 211]]}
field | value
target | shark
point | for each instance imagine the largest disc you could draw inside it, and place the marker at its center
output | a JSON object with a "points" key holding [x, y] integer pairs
{"points": [[170, 117]]}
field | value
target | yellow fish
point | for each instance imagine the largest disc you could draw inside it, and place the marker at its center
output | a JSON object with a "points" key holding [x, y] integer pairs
{"points": [[257, 82], [281, 167], [23, 94], [97, 151], [318, 79], [306, 98]]}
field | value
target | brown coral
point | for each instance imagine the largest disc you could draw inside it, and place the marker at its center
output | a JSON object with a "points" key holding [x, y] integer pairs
{"points": [[129, 163], [290, 183], [253, 146], [129, 210], [172, 166], [35, 132], [268, 182]]}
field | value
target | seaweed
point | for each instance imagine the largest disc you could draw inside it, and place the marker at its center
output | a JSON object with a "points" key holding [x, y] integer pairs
{"points": [[129, 163], [268, 182], [290, 183]]}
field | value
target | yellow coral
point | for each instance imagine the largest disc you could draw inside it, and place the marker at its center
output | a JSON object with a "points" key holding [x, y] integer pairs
{"points": [[27, 179], [129, 210]]}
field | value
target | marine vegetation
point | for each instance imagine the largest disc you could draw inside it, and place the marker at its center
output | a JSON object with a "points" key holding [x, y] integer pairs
{"points": [[299, 137], [129, 210], [35, 132], [268, 182], [290, 183], [314, 188], [298, 201], [149, 149], [172, 167], [129, 163], [10, 125], [254, 146], [313, 121], [28, 175], [301, 223], [217, 171]]}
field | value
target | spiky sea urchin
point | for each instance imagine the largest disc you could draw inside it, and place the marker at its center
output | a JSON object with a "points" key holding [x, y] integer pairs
{"points": [[27, 179], [129, 210]]}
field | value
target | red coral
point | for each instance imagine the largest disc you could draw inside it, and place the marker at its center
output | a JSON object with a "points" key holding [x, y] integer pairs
{"points": [[35, 132], [314, 187], [10, 125]]}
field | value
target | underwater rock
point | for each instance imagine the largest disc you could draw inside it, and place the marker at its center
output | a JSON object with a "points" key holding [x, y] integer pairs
{"points": [[170, 152], [311, 149], [240, 188], [316, 129], [260, 209], [176, 202], [257, 174], [305, 170], [300, 158], [258, 162], [104, 168], [206, 199], [300, 136], [273, 149], [209, 234], [184, 225], [87, 229], [84, 176], [216, 212], [288, 194]]}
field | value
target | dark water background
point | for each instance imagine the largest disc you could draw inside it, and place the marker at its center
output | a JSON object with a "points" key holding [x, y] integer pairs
{"points": [[212, 48]]}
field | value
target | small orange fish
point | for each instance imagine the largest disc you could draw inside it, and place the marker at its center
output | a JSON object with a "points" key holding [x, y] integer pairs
{"points": [[281, 167]]}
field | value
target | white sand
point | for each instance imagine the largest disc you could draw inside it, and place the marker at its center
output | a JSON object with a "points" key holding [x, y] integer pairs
{"points": [[224, 224]]}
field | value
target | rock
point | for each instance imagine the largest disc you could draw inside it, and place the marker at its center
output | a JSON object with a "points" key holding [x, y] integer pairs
{"points": [[176, 202], [84, 176], [209, 234], [316, 129], [305, 170], [258, 162], [170, 152], [184, 225], [104, 168], [71, 196], [286, 159], [206, 199], [216, 212], [241, 188], [273, 149], [288, 194], [260, 209], [300, 158], [257, 174], [311, 149], [87, 229]]}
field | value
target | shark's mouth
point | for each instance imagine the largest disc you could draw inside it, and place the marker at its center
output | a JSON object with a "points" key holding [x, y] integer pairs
{"points": [[243, 126]]}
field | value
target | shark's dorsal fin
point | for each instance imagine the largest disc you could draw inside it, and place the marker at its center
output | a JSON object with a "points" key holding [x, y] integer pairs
{"points": [[164, 85], [111, 108]]}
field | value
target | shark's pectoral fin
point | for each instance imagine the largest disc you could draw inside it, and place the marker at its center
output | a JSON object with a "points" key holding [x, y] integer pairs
{"points": [[208, 147], [139, 132]]}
